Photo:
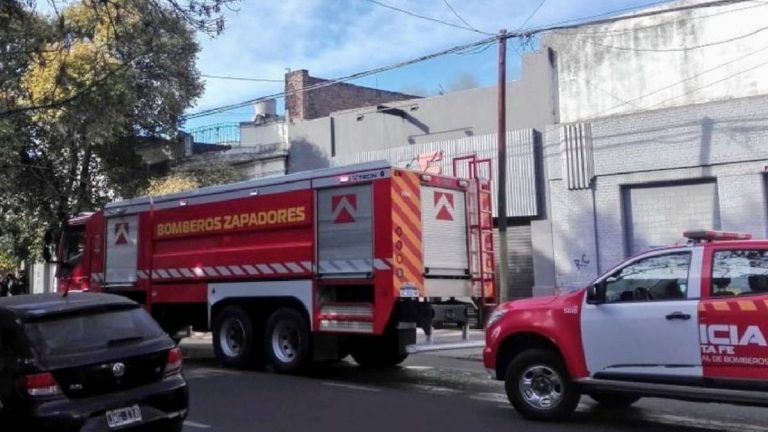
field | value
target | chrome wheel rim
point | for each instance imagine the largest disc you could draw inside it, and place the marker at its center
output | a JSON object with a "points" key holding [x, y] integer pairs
{"points": [[285, 341], [232, 337], [541, 387]]}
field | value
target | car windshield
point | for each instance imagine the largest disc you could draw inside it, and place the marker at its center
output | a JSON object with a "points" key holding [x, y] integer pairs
{"points": [[90, 331]]}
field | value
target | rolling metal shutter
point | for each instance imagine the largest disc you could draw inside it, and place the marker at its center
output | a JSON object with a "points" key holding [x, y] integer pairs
{"points": [[658, 215], [520, 250]]}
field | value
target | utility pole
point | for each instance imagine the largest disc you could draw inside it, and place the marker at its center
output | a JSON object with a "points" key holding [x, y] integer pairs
{"points": [[502, 174]]}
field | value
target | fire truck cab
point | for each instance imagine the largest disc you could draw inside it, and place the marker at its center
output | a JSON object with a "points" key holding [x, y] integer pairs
{"points": [[302, 267]]}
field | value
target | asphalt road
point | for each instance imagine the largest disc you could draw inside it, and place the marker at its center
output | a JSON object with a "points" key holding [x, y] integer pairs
{"points": [[429, 392]]}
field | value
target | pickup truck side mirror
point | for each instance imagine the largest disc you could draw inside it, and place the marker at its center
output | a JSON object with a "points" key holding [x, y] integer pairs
{"points": [[596, 293]]}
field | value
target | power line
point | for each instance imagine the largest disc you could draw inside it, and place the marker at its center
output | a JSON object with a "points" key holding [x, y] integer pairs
{"points": [[222, 77], [435, 20], [457, 15], [690, 48], [456, 49], [533, 13], [579, 22], [667, 87], [603, 33], [741, 72]]}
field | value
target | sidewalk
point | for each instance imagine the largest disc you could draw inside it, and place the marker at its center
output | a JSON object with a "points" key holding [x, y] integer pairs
{"points": [[200, 344]]}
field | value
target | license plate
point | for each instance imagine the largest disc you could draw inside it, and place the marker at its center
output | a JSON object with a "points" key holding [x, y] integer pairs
{"points": [[409, 291], [123, 416]]}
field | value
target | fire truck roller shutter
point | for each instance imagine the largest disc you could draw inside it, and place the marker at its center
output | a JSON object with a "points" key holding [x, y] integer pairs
{"points": [[444, 239], [345, 231], [122, 234]]}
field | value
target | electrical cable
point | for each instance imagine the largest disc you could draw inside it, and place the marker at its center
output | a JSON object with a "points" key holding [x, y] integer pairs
{"points": [[351, 77], [532, 14], [603, 33], [222, 77], [563, 25], [415, 15], [690, 48], [669, 86], [458, 16]]}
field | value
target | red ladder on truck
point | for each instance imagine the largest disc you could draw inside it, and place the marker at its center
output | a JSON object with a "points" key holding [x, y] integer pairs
{"points": [[481, 230]]}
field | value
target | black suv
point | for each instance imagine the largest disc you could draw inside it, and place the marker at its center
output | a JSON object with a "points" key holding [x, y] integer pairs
{"points": [[86, 362]]}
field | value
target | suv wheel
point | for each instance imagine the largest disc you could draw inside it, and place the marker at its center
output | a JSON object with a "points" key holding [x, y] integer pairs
{"points": [[286, 340], [614, 400], [538, 386], [234, 340]]}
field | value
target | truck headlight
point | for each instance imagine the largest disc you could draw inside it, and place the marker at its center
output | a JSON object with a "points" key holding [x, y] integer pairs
{"points": [[495, 316]]}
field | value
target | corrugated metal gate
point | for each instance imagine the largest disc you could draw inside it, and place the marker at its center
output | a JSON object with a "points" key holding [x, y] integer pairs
{"points": [[658, 215], [520, 249]]}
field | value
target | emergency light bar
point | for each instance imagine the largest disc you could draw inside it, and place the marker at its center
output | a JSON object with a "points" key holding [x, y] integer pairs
{"points": [[708, 235]]}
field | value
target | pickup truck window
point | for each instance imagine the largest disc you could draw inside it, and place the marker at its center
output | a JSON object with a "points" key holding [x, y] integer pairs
{"points": [[660, 277], [739, 272]]}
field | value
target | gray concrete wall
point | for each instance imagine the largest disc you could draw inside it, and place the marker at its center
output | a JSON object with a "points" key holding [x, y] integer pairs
{"points": [[254, 135], [310, 144], [726, 141], [451, 116], [640, 64]]}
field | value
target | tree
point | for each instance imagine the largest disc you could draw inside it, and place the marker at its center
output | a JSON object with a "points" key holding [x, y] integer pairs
{"points": [[183, 178], [80, 87]]}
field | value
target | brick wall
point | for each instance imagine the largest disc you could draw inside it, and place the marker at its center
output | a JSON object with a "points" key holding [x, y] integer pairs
{"points": [[307, 105], [726, 141]]}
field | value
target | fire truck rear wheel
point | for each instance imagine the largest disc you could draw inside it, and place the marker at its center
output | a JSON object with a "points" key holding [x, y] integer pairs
{"points": [[234, 339], [286, 340], [378, 352], [538, 386]]}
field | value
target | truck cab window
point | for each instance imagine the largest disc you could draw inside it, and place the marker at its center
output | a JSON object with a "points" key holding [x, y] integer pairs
{"points": [[73, 246], [661, 277], [739, 272]]}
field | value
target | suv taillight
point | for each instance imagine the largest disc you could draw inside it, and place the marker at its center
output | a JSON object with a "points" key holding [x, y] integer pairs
{"points": [[41, 384], [173, 364]]}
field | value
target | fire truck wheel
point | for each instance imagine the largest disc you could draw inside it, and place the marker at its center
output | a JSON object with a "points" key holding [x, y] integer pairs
{"points": [[286, 340], [614, 400], [234, 340], [378, 352], [538, 386]]}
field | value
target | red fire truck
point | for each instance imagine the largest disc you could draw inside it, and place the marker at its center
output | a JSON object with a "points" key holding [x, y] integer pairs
{"points": [[296, 268]]}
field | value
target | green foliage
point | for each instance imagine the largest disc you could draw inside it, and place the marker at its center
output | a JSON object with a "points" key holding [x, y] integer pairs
{"points": [[78, 90], [184, 179]]}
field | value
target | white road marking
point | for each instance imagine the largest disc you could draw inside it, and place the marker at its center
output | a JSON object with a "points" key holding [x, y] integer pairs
{"points": [[418, 368], [196, 424], [489, 397], [352, 386], [421, 388]]}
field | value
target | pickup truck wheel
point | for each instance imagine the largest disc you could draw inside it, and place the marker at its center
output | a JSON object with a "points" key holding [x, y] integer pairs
{"points": [[538, 386], [286, 340], [614, 400], [234, 339]]}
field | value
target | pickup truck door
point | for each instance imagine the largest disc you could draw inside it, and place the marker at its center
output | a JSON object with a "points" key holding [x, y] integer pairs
{"points": [[648, 326], [734, 316]]}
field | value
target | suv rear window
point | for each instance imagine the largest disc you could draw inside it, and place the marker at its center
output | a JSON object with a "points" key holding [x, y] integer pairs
{"points": [[87, 331]]}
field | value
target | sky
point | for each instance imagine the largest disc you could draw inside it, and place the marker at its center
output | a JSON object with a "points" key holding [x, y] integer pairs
{"points": [[332, 38]]}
